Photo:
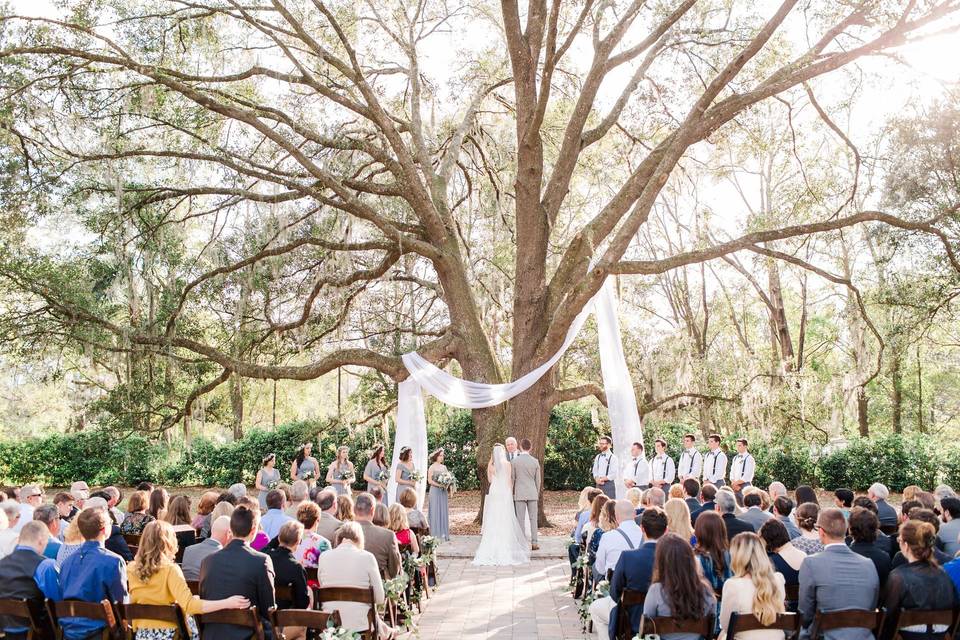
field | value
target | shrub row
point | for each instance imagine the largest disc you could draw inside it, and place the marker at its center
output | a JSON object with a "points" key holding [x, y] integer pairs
{"points": [[101, 457]]}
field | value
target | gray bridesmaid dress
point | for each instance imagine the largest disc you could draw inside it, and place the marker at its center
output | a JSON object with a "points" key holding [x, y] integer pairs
{"points": [[268, 477], [373, 469], [439, 514], [404, 475], [307, 466], [341, 489]]}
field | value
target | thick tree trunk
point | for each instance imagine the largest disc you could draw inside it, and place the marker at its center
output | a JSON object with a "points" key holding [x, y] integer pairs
{"points": [[528, 416], [896, 396], [862, 418]]}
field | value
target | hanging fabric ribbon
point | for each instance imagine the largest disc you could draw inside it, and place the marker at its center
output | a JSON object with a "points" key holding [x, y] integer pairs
{"points": [[621, 400]]}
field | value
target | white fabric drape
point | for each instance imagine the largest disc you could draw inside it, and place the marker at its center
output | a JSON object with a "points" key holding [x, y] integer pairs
{"points": [[621, 400], [411, 432]]}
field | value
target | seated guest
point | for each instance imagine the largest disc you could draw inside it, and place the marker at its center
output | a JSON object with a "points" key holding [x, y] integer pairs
{"points": [[910, 492], [950, 529], [633, 571], [260, 539], [63, 501], [864, 527], [726, 506], [677, 590], [843, 500], [593, 522], [754, 515], [238, 490], [608, 522], [113, 499], [377, 492], [711, 549], [9, 534], [584, 505], [194, 555], [754, 588], [806, 495], [836, 578], [878, 493], [349, 565], [220, 510], [287, 571], [299, 491], [707, 494], [655, 497], [408, 498], [145, 486], [382, 543], [93, 573], [50, 517], [691, 489], [786, 558], [782, 508], [944, 491], [809, 540], [178, 516], [274, 518], [381, 517], [926, 500], [676, 491], [137, 517], [157, 504], [26, 574], [923, 515], [239, 570], [154, 578], [634, 495], [918, 584], [678, 518], [31, 497], [328, 524], [81, 493], [775, 490], [344, 508], [201, 522], [883, 542], [398, 523], [226, 496], [115, 541], [625, 535], [72, 541], [313, 544]]}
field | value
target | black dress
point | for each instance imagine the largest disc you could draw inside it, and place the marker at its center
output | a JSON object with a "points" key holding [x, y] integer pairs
{"points": [[917, 585]]}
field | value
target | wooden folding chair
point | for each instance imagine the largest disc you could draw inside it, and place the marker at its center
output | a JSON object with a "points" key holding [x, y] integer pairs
{"points": [[103, 611], [132, 539], [312, 574], [661, 626], [890, 529], [31, 616], [169, 613], [351, 594], [194, 586], [628, 599], [312, 620], [248, 618], [792, 593], [789, 623], [283, 592], [871, 619], [929, 618]]}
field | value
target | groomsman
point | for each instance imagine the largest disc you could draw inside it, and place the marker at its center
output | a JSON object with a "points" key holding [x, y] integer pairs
{"points": [[511, 446], [636, 472], [742, 468], [662, 468], [691, 460], [605, 463], [714, 463]]}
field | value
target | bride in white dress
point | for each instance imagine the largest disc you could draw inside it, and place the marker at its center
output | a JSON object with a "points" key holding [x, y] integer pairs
{"points": [[502, 541]]}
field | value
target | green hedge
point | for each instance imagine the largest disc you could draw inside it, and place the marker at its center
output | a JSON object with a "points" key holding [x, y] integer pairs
{"points": [[100, 457]]}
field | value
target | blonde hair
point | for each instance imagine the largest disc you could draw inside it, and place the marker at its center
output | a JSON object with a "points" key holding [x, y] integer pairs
{"points": [[676, 491], [583, 502], [678, 518], [910, 492], [633, 495], [72, 535], [748, 557], [398, 520], [221, 509], [158, 548], [608, 516]]}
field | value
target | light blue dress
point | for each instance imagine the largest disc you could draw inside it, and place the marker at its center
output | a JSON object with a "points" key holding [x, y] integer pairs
{"points": [[307, 466], [341, 489], [267, 477], [439, 514], [404, 475]]}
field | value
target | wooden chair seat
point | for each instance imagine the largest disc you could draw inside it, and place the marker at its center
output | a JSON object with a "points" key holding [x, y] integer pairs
{"points": [[31, 615], [789, 623], [169, 613], [103, 611], [363, 595], [132, 539], [661, 626], [311, 619], [248, 618], [942, 617], [628, 598], [871, 619]]}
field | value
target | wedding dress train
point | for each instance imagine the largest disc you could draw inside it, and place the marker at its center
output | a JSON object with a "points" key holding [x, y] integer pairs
{"points": [[502, 541]]}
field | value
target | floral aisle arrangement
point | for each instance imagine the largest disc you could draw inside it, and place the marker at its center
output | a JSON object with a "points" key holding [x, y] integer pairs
{"points": [[338, 633], [428, 549], [396, 589], [602, 591]]}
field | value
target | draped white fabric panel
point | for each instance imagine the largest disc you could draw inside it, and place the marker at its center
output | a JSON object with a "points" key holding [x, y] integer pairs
{"points": [[621, 400]]}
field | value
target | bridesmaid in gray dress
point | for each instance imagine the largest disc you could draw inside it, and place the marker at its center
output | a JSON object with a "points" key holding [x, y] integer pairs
{"points": [[266, 476], [335, 472], [439, 514], [404, 470], [377, 465], [305, 467]]}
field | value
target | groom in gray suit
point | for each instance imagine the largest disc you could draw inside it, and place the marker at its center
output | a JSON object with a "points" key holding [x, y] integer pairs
{"points": [[526, 488]]}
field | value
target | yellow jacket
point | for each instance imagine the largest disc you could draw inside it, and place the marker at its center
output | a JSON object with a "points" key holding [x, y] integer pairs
{"points": [[166, 586]]}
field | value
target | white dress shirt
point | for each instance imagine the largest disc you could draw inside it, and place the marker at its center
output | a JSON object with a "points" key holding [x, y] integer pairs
{"points": [[605, 465], [743, 468], [714, 466], [638, 470], [662, 468], [612, 544], [691, 464]]}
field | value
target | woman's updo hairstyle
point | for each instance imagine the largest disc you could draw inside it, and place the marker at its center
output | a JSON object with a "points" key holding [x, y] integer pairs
{"points": [[920, 538], [807, 516]]}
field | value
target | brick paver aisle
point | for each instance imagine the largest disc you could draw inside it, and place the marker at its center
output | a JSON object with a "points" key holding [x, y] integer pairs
{"points": [[528, 602]]}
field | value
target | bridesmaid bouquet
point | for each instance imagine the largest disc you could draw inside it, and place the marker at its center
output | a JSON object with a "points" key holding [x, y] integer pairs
{"points": [[273, 485], [446, 480], [347, 476], [307, 475], [415, 476], [383, 476]]}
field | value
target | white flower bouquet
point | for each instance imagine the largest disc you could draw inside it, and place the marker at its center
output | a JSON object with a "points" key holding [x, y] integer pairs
{"points": [[446, 479]]}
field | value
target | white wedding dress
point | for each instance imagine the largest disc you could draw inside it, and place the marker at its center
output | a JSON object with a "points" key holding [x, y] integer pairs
{"points": [[502, 542]]}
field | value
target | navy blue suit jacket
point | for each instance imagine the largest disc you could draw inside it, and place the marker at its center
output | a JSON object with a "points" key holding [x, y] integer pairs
{"points": [[634, 571], [709, 505]]}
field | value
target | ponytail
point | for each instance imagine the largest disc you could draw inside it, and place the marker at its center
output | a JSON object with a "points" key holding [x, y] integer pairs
{"points": [[921, 538]]}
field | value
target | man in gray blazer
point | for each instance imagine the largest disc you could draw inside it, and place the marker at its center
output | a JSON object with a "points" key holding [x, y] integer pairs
{"points": [[382, 543], [526, 488], [754, 515], [194, 555], [836, 579], [328, 525]]}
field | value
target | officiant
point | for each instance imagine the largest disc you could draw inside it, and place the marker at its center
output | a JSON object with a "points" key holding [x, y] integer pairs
{"points": [[605, 466]]}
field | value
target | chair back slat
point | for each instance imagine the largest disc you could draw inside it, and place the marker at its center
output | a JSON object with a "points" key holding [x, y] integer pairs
{"points": [[23, 609], [628, 598], [311, 574], [789, 623], [169, 613], [248, 618], [283, 592], [792, 592], [132, 539], [308, 618], [363, 595], [871, 619], [194, 586], [944, 617], [662, 626]]}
